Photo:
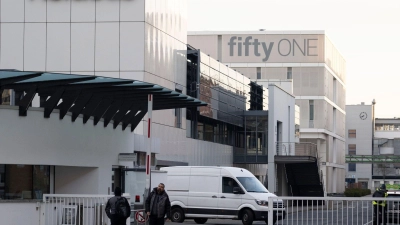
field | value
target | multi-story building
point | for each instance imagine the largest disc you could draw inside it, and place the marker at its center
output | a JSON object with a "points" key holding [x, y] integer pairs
{"points": [[387, 143], [126, 40], [359, 141], [373, 148], [318, 74]]}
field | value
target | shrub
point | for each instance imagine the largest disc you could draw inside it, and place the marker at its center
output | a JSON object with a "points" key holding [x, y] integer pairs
{"points": [[356, 192]]}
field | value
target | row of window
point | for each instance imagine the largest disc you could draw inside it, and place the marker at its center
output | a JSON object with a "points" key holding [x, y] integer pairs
{"points": [[288, 73], [387, 127]]}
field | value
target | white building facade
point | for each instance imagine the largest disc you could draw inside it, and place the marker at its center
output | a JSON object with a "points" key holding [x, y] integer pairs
{"points": [[359, 141], [136, 40], [317, 70], [372, 138]]}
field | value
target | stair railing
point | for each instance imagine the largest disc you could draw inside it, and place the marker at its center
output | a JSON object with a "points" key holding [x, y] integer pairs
{"points": [[320, 173]]}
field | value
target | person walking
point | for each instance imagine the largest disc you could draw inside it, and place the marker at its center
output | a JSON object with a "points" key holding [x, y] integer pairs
{"points": [[380, 210], [158, 206], [118, 208]]}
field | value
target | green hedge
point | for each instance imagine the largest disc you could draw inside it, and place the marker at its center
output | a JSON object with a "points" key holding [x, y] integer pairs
{"points": [[356, 192]]}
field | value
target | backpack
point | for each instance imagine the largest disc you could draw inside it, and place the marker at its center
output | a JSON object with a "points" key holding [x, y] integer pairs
{"points": [[122, 209], [378, 194]]}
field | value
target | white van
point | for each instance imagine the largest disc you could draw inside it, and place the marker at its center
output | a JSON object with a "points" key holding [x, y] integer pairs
{"points": [[202, 193]]}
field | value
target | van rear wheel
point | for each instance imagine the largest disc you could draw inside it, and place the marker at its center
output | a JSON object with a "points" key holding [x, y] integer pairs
{"points": [[177, 215], [247, 217], [200, 220]]}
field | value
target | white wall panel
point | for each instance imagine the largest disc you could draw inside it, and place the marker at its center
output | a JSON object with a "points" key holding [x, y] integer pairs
{"points": [[12, 46], [83, 11], [176, 147], [63, 143], [132, 46], [170, 16], [164, 56], [58, 47], [132, 10], [83, 72], [76, 180], [29, 209], [12, 10], [107, 11], [82, 46], [59, 11], [132, 75], [35, 11], [108, 74], [107, 47], [35, 46]]}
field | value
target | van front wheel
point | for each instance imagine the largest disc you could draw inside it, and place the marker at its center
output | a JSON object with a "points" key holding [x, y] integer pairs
{"points": [[247, 217], [177, 215], [200, 220]]}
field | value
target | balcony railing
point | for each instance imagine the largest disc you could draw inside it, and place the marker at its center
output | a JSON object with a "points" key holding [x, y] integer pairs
{"points": [[296, 149], [250, 155]]}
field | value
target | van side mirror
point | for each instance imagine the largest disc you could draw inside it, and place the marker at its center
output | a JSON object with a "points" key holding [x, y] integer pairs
{"points": [[237, 190]]}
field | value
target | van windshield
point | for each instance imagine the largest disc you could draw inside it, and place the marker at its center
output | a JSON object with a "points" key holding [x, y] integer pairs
{"points": [[251, 184]]}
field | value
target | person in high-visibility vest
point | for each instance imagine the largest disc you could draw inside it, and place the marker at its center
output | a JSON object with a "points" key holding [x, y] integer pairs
{"points": [[380, 211]]}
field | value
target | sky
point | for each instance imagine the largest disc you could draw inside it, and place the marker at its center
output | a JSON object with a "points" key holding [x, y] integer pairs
{"points": [[366, 33]]}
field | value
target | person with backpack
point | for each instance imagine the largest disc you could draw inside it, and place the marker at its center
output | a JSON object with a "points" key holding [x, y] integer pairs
{"points": [[380, 211], [118, 208], [158, 205]]}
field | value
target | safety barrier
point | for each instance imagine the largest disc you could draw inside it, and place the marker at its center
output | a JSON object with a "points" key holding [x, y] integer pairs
{"points": [[76, 209], [333, 210]]}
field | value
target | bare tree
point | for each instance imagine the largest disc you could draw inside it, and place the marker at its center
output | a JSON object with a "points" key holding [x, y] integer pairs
{"points": [[382, 169]]}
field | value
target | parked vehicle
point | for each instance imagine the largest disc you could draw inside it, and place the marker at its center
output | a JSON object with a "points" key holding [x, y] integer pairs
{"points": [[203, 193]]}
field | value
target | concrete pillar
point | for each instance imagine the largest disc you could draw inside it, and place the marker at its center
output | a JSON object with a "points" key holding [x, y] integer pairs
{"points": [[271, 176]]}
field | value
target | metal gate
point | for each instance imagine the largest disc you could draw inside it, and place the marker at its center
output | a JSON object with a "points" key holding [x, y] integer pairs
{"points": [[63, 209], [333, 210]]}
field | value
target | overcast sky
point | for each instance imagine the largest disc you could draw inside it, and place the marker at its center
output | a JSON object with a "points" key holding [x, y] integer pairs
{"points": [[367, 33]]}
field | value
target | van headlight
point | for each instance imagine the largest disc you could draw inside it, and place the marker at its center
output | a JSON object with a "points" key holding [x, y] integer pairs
{"points": [[262, 202]]}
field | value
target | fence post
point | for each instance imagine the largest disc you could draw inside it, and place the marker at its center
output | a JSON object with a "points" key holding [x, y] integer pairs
{"points": [[270, 211]]}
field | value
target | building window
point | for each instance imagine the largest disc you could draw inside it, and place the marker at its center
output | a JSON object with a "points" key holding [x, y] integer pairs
{"points": [[352, 134], [228, 184], [5, 97], [311, 110], [178, 113], [258, 72], [289, 73], [352, 167], [311, 102], [352, 149], [178, 118], [200, 131], [24, 181]]}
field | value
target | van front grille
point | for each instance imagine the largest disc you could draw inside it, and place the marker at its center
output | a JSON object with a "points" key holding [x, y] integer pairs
{"points": [[279, 205]]}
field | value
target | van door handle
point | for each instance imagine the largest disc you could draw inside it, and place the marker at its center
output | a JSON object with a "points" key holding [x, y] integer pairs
{"points": [[222, 196], [214, 196]]}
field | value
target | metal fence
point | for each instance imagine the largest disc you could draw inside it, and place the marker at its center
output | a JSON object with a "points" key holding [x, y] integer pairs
{"points": [[333, 210], [76, 209]]}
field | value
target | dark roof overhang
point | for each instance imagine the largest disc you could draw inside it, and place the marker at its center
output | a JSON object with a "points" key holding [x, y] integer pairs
{"points": [[122, 101]]}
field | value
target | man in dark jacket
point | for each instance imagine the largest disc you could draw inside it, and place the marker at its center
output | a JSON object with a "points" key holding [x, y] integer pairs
{"points": [[380, 210], [111, 208], [158, 205]]}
